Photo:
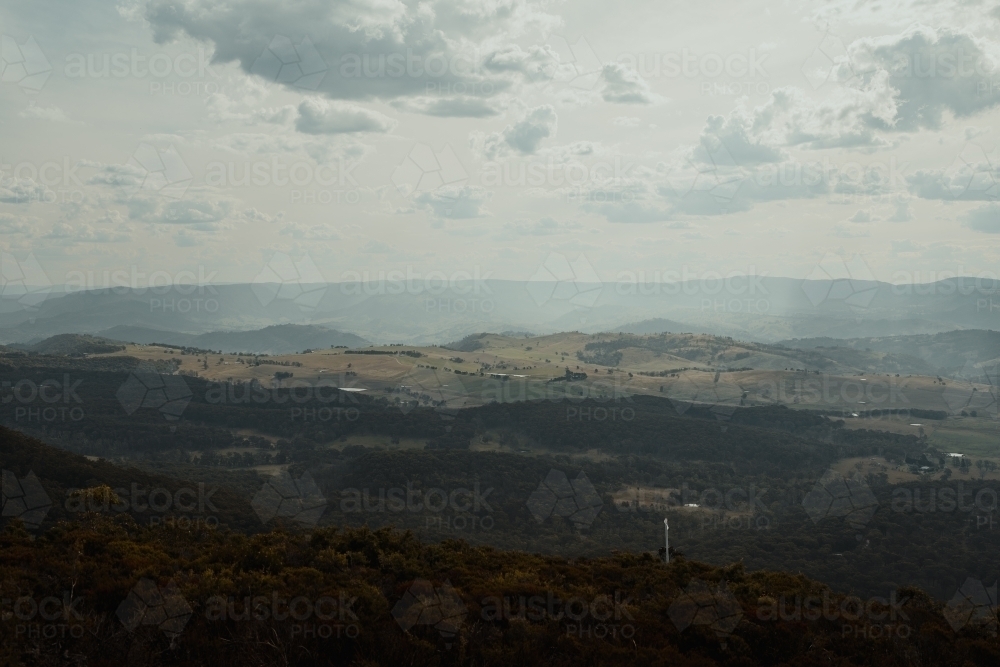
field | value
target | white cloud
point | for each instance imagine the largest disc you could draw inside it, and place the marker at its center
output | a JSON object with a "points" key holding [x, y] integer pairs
{"points": [[524, 137], [204, 211], [536, 63], [623, 85], [373, 247], [84, 233], [368, 49], [849, 118], [50, 113], [929, 71], [546, 226], [902, 212], [24, 191], [456, 202], [321, 117], [984, 219], [974, 175], [13, 224], [306, 232], [457, 106]]}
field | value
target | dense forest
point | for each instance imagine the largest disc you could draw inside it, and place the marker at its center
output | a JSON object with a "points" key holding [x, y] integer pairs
{"points": [[105, 591]]}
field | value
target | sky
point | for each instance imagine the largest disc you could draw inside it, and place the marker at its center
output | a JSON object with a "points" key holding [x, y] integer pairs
{"points": [[196, 140]]}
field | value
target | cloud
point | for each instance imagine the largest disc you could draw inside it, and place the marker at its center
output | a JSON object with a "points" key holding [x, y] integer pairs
{"points": [[625, 121], [861, 216], [23, 191], [369, 49], [974, 175], [306, 232], [117, 175], [930, 71], [83, 233], [456, 202], [546, 226], [11, 224], [896, 83], [201, 211], [321, 117], [848, 119], [902, 212], [628, 200], [972, 132], [523, 137], [906, 245], [537, 63], [460, 106], [374, 247], [50, 113], [744, 145], [253, 215], [844, 231], [623, 85], [983, 219]]}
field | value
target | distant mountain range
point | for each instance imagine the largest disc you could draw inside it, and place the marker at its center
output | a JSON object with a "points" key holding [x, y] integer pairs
{"points": [[758, 309]]}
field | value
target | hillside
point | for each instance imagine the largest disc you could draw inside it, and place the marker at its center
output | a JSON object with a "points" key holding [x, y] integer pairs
{"points": [[60, 473], [277, 339], [163, 582], [73, 345], [954, 353], [363, 597]]}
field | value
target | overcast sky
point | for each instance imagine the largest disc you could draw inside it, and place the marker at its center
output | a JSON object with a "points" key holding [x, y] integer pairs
{"points": [[199, 137]]}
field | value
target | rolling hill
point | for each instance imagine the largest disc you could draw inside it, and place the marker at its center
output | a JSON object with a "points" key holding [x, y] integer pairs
{"points": [[277, 339], [953, 353]]}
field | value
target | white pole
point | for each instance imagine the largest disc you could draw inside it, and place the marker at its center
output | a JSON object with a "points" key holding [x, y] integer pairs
{"points": [[666, 535]]}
